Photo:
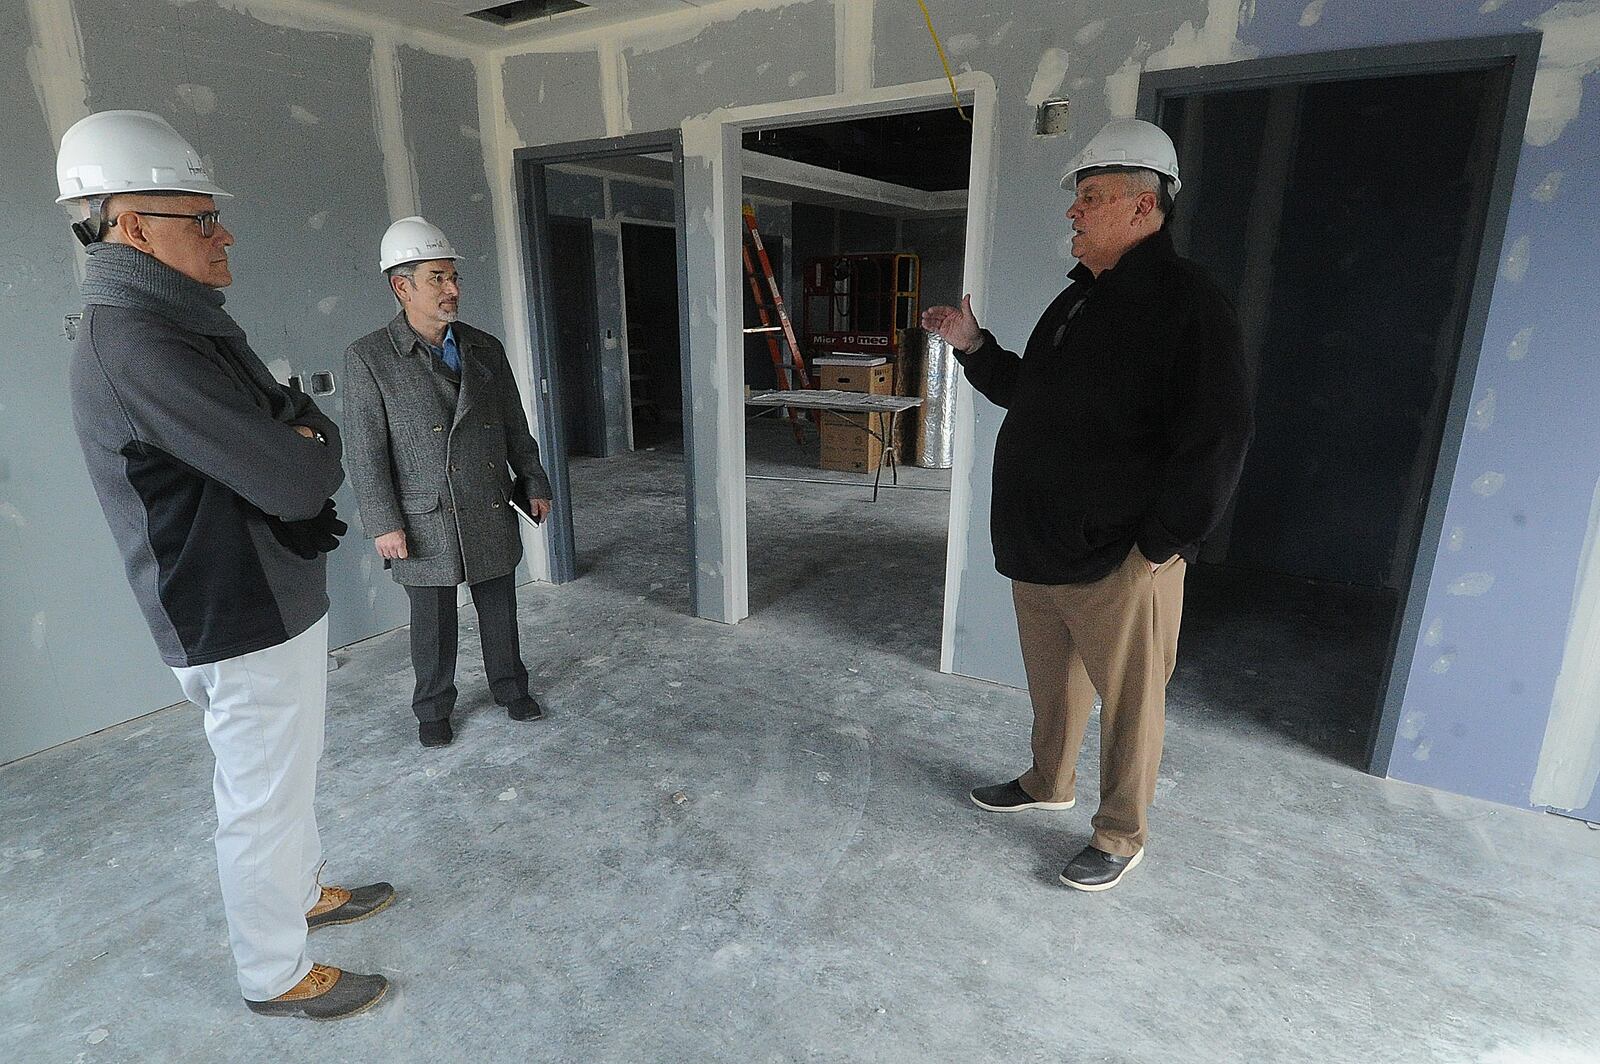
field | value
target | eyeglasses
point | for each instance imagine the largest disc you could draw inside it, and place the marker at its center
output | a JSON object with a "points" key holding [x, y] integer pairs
{"points": [[206, 220]]}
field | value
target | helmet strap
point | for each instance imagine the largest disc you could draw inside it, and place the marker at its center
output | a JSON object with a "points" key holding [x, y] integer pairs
{"points": [[91, 229]]}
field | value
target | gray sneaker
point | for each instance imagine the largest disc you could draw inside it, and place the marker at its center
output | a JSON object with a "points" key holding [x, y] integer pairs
{"points": [[341, 906], [1011, 798], [1095, 870], [326, 993]]}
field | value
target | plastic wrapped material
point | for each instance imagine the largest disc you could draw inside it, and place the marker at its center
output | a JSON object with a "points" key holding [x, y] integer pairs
{"points": [[933, 362]]}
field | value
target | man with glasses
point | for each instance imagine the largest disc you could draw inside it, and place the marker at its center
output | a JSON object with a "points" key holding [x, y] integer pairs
{"points": [[437, 431], [215, 480], [1127, 419]]}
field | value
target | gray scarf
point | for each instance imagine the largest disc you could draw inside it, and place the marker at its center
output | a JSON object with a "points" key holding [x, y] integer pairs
{"points": [[121, 276]]}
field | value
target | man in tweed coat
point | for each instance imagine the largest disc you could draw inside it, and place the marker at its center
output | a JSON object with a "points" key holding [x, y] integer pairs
{"points": [[434, 432]]}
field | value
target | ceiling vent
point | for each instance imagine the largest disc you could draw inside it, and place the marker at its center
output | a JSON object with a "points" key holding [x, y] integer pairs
{"points": [[519, 11]]}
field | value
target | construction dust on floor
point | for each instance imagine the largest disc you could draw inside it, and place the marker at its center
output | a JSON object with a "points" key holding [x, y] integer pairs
{"points": [[755, 843]]}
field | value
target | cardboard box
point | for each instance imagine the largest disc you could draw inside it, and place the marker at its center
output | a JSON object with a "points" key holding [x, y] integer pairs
{"points": [[846, 448], [874, 380]]}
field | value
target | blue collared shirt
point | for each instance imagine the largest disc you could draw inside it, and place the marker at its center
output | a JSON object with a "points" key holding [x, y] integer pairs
{"points": [[450, 354]]}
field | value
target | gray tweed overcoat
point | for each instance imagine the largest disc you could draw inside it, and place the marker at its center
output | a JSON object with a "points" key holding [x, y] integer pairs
{"points": [[436, 463]]}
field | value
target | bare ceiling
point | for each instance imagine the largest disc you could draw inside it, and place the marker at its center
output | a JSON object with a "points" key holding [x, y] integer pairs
{"points": [[449, 17]]}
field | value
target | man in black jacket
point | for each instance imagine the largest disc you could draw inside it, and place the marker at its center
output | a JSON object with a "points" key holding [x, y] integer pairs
{"points": [[1127, 419]]}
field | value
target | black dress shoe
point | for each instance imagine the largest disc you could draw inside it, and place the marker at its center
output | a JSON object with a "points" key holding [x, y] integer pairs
{"points": [[435, 732], [525, 709], [1095, 869], [1011, 798]]}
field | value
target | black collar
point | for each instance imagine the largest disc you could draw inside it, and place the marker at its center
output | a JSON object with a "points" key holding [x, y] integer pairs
{"points": [[1157, 247]]}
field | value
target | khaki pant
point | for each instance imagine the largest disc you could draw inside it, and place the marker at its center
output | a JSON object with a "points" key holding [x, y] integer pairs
{"points": [[1117, 636]]}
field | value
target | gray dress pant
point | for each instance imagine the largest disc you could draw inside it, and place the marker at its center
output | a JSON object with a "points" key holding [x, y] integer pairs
{"points": [[434, 638]]}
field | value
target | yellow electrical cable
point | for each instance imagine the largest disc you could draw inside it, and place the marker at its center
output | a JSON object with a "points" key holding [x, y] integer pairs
{"points": [[938, 44]]}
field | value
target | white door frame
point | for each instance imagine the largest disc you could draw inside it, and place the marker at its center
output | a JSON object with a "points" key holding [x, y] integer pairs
{"points": [[713, 179]]}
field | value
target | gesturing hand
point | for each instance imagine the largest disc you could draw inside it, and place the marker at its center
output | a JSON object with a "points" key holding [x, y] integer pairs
{"points": [[957, 325]]}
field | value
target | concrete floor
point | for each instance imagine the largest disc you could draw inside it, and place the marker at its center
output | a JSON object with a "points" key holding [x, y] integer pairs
{"points": [[753, 843]]}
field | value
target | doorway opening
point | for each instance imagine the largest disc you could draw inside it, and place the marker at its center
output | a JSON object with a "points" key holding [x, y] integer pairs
{"points": [[1352, 205], [863, 222], [655, 358], [605, 240]]}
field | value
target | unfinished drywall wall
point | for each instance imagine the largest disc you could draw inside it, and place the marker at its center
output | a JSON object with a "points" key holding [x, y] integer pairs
{"points": [[283, 102], [69, 630], [1478, 694], [305, 281], [452, 188], [756, 57], [551, 98], [1500, 596]]}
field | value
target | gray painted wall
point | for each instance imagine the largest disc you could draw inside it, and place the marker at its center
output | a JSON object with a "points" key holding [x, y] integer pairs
{"points": [[753, 58], [69, 631], [553, 97], [447, 151], [1501, 597], [287, 118]]}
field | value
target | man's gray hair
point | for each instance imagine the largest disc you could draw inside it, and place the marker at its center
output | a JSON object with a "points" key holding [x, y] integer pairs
{"points": [[1142, 180], [408, 270]]}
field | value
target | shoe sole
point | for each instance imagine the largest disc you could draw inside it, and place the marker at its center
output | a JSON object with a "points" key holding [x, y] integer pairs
{"points": [[390, 900], [1097, 887], [1068, 804], [300, 1013]]}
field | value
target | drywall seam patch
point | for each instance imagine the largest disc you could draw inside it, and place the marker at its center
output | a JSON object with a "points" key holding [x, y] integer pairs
{"points": [[498, 140], [1215, 41], [399, 166], [1569, 759], [650, 33], [315, 16], [614, 88], [55, 65], [853, 26], [1048, 77], [1569, 53], [60, 80]]}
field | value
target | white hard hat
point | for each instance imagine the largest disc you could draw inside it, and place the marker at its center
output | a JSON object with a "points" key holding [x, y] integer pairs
{"points": [[413, 239], [1127, 142], [128, 151]]}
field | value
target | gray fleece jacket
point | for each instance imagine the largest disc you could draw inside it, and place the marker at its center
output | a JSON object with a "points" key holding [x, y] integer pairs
{"points": [[189, 444]]}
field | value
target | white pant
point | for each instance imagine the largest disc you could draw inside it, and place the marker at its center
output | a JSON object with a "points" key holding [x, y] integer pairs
{"points": [[264, 716]]}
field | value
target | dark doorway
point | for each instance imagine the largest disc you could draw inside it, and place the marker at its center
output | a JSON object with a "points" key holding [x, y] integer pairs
{"points": [[655, 361], [577, 355], [1347, 219]]}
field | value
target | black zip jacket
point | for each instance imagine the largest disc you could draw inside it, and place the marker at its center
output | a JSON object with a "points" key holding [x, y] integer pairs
{"points": [[1127, 420]]}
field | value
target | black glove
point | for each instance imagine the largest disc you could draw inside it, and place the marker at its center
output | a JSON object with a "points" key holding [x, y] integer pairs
{"points": [[309, 538]]}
